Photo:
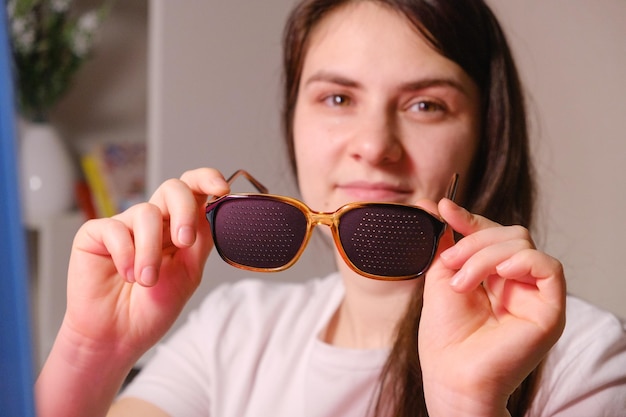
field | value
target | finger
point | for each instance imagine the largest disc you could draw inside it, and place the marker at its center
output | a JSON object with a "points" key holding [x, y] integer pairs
{"points": [[469, 245], [461, 220], [532, 288], [447, 239], [205, 182], [107, 238], [178, 206], [543, 270], [483, 263], [146, 223], [181, 201]]}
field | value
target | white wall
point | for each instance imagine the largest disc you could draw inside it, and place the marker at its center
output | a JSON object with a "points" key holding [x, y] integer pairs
{"points": [[572, 55], [213, 100]]}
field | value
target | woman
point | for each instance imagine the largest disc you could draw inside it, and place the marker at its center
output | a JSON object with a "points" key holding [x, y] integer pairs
{"points": [[385, 101]]}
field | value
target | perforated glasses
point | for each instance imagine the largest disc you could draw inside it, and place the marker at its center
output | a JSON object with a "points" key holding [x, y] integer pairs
{"points": [[265, 232]]}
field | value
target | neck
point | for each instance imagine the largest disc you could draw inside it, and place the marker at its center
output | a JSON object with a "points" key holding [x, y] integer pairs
{"points": [[370, 311]]}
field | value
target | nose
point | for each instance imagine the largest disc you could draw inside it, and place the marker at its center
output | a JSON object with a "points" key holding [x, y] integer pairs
{"points": [[376, 140]]}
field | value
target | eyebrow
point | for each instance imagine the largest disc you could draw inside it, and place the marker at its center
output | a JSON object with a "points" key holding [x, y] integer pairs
{"points": [[330, 77], [434, 82]]}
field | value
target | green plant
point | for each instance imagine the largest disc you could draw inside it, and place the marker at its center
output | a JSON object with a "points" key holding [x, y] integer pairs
{"points": [[50, 41]]}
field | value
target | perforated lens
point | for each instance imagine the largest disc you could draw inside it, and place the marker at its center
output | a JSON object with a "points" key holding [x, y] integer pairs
{"points": [[258, 232], [388, 240]]}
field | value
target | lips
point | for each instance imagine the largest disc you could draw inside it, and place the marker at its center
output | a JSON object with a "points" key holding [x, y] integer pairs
{"points": [[374, 191]]}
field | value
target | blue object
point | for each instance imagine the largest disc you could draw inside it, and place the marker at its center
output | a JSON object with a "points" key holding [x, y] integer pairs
{"points": [[16, 356]]}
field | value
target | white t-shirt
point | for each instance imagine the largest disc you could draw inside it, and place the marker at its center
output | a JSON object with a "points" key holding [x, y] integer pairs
{"points": [[252, 349]]}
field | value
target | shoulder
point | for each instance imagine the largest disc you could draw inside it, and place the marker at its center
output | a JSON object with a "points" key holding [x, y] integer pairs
{"points": [[586, 369], [590, 329]]}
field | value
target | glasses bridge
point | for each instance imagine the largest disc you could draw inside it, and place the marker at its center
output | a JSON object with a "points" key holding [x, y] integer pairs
{"points": [[327, 219]]}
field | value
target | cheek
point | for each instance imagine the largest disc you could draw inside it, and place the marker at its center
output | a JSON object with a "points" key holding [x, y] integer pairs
{"points": [[437, 153], [314, 144], [308, 152], [304, 149], [468, 149], [463, 155], [441, 150], [462, 159]]}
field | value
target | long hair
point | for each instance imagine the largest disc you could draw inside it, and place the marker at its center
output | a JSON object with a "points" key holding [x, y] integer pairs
{"points": [[501, 184]]}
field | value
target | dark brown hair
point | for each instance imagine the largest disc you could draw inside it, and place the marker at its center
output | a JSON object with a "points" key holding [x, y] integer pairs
{"points": [[501, 185]]}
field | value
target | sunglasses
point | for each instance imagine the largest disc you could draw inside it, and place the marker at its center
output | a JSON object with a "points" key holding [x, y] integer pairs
{"points": [[268, 233]]}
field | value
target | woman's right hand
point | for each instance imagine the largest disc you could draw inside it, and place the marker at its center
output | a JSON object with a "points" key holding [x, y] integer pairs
{"points": [[130, 275]]}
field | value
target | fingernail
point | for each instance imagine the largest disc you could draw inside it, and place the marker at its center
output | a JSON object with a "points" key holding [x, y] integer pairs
{"points": [[503, 266], [148, 276], [130, 276], [458, 278], [186, 235]]}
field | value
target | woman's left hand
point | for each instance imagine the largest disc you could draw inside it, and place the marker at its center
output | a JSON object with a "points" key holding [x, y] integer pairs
{"points": [[493, 307]]}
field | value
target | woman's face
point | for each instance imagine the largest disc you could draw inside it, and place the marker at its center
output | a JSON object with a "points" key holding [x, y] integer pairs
{"points": [[380, 116]]}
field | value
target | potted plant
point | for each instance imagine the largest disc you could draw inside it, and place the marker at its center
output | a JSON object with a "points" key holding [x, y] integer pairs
{"points": [[51, 40]]}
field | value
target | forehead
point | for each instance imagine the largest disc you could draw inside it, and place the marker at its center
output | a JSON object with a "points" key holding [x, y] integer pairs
{"points": [[370, 38]]}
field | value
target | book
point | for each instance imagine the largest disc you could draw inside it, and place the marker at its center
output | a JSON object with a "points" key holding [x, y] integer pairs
{"points": [[115, 175]]}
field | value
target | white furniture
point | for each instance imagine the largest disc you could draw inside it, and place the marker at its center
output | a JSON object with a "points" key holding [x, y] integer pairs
{"points": [[51, 244]]}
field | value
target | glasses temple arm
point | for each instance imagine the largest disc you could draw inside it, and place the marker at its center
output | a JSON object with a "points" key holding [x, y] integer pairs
{"points": [[452, 188], [240, 172]]}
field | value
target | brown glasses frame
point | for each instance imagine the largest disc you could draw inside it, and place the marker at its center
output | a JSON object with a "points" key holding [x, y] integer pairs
{"points": [[330, 219]]}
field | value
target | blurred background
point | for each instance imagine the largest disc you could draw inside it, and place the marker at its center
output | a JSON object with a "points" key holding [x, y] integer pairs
{"points": [[196, 83]]}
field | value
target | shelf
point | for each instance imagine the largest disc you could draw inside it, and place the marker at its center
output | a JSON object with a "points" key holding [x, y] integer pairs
{"points": [[50, 247]]}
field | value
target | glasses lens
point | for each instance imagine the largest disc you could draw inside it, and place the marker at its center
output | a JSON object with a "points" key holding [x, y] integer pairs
{"points": [[388, 240], [258, 232]]}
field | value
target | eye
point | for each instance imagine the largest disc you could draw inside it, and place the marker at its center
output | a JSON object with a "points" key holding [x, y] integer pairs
{"points": [[427, 106], [337, 100]]}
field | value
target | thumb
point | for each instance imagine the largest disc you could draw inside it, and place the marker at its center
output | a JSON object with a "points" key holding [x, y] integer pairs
{"points": [[447, 239], [461, 220], [438, 269]]}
